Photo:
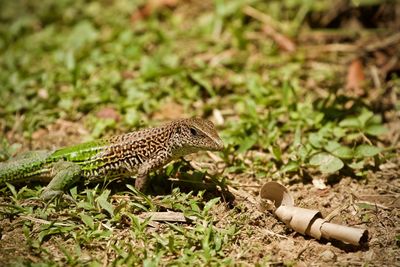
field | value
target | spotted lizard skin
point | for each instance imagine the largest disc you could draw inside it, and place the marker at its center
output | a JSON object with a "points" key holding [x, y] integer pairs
{"points": [[132, 154]]}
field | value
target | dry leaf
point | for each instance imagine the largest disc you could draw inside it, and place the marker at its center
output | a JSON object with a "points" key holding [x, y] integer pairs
{"points": [[127, 75], [169, 111], [319, 183], [282, 41], [151, 6], [167, 216], [108, 113], [355, 77]]}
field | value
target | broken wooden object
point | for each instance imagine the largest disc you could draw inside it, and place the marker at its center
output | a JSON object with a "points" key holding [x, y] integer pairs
{"points": [[306, 221]]}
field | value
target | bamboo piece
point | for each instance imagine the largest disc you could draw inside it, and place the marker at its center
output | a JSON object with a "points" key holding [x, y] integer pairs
{"points": [[306, 221]]}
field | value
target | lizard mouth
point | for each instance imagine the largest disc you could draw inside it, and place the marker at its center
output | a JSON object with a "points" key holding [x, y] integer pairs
{"points": [[219, 145]]}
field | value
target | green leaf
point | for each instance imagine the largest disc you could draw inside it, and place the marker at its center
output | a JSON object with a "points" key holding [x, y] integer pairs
{"points": [[14, 148], [52, 229], [131, 117], [210, 204], [366, 206], [326, 162], [356, 165], [70, 61], [247, 144], [103, 202], [204, 83], [194, 206], [303, 152], [292, 166], [297, 137], [82, 34], [12, 189], [74, 192], [332, 146], [315, 140], [276, 151], [101, 126], [338, 150], [350, 122], [376, 129], [86, 205], [344, 152], [376, 119], [251, 108], [87, 220], [339, 132], [367, 151], [255, 87], [364, 117]]}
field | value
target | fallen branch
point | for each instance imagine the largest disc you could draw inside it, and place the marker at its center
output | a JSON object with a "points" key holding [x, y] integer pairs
{"points": [[168, 216], [271, 29]]}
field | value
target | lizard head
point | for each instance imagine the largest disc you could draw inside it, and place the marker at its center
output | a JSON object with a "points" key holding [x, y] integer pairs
{"points": [[196, 134]]}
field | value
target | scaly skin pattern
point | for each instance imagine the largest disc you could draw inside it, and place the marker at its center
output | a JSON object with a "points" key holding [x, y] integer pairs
{"points": [[136, 153]]}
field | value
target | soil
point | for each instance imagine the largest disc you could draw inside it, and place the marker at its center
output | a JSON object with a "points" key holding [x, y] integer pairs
{"points": [[372, 203]]}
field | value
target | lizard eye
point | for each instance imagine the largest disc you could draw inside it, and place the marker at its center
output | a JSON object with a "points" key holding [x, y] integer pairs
{"points": [[193, 131]]}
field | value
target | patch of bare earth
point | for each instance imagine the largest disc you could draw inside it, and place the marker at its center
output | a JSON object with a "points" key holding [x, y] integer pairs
{"points": [[372, 203], [15, 248]]}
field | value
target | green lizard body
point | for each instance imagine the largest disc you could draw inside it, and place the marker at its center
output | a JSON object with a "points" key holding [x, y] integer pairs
{"points": [[136, 153]]}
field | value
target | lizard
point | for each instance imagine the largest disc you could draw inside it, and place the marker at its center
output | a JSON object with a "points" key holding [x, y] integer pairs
{"points": [[136, 153]]}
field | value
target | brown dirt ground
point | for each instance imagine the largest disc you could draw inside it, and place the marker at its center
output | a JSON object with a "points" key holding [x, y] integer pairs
{"points": [[372, 203], [342, 202], [263, 235]]}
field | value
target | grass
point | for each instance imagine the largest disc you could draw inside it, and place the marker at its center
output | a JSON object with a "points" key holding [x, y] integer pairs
{"points": [[98, 223], [285, 117]]}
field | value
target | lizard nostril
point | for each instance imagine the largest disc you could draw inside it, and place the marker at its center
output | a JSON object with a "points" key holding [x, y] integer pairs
{"points": [[220, 144]]}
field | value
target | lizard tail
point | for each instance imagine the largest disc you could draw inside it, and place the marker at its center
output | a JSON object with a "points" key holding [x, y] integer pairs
{"points": [[24, 167]]}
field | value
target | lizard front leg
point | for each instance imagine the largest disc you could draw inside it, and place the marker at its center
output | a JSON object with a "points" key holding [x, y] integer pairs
{"points": [[142, 178], [65, 175]]}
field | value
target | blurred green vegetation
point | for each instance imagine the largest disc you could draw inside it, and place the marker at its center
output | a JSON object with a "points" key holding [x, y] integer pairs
{"points": [[71, 58]]}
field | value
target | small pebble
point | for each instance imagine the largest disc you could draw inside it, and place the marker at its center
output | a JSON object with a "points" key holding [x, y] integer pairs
{"points": [[327, 255]]}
